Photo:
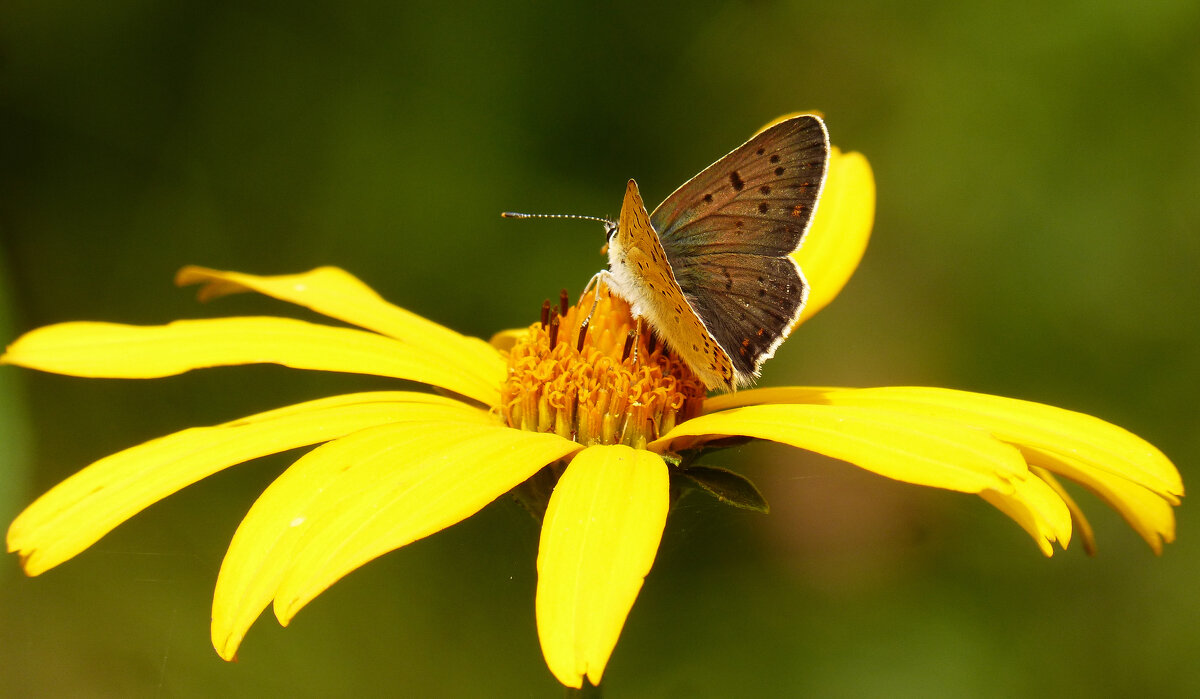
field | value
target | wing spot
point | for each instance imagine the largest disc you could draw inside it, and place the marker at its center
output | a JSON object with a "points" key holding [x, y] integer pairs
{"points": [[760, 331], [798, 210], [707, 198], [762, 293], [775, 158], [765, 189], [736, 180], [760, 151], [738, 224], [779, 171], [762, 208]]}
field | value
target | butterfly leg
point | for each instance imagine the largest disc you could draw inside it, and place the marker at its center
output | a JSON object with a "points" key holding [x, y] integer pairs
{"points": [[609, 280], [602, 276], [614, 287], [637, 338]]}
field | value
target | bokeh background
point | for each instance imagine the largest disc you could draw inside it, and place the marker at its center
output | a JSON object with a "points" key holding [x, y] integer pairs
{"points": [[1036, 237]]}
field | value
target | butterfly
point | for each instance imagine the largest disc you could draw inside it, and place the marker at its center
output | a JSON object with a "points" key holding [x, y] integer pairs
{"points": [[711, 269]]}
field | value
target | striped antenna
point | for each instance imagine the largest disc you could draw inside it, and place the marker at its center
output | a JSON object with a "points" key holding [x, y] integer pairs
{"points": [[514, 214]]}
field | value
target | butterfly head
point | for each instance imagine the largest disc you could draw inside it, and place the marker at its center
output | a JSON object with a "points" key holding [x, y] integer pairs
{"points": [[610, 230]]}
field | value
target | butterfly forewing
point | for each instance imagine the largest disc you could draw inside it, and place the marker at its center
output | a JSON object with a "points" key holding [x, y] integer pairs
{"points": [[642, 276], [758, 199]]}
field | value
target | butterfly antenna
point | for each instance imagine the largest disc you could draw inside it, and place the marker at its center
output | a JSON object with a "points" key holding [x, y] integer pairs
{"points": [[514, 214]]}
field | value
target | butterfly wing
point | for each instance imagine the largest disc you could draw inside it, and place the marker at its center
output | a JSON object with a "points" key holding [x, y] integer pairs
{"points": [[641, 275], [728, 233], [758, 199], [747, 303]]}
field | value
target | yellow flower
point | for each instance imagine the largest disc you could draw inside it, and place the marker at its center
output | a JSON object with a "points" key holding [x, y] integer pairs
{"points": [[581, 421]]}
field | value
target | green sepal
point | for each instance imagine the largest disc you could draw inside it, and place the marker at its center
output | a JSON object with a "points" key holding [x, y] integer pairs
{"points": [[673, 460], [728, 487]]}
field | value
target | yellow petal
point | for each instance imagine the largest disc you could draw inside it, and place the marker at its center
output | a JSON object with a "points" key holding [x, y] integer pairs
{"points": [[338, 294], [506, 339], [1147, 512], [77, 512], [912, 449], [1037, 428], [599, 539], [1039, 510], [818, 395], [359, 497], [410, 494], [111, 350], [1079, 521], [840, 230], [1126, 471]]}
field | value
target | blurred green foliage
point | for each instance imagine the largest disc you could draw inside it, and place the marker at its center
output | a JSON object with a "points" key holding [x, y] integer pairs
{"points": [[1036, 237]]}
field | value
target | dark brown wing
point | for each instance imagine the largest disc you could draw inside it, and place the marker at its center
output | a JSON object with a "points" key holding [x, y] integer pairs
{"points": [[728, 233]]}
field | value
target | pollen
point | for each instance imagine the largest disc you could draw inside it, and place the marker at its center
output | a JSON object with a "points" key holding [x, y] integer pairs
{"points": [[597, 380]]}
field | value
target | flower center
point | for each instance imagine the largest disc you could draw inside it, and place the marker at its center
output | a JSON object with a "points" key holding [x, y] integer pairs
{"points": [[597, 380]]}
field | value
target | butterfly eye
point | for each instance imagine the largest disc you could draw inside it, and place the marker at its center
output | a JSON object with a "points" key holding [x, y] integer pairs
{"points": [[610, 229]]}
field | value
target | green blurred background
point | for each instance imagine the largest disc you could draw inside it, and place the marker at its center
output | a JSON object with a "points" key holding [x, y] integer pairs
{"points": [[1036, 237]]}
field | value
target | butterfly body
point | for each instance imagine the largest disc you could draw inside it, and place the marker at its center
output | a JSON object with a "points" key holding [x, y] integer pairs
{"points": [[711, 269]]}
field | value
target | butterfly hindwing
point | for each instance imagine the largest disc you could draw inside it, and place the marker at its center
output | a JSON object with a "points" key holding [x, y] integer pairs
{"points": [[746, 302]]}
